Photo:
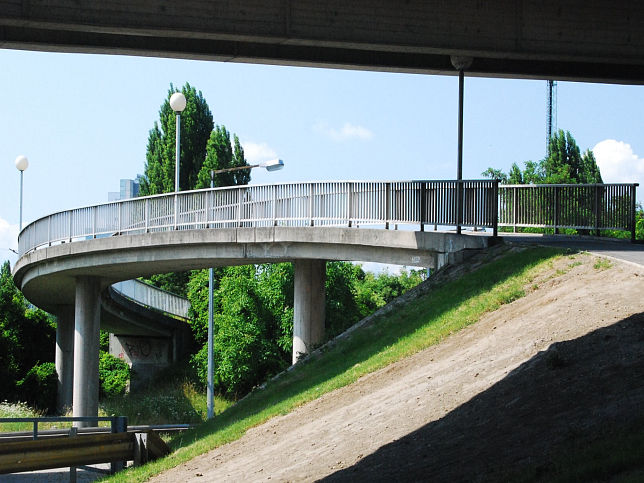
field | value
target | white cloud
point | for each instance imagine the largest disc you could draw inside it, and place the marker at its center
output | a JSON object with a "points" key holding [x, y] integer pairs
{"points": [[258, 152], [618, 163], [347, 132]]}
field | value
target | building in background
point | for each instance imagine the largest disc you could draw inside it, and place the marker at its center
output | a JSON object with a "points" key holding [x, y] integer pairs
{"points": [[129, 189]]}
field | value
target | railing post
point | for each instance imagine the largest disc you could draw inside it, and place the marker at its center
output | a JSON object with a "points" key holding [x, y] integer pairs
{"points": [[119, 425], [120, 208], [71, 218], [95, 210], [274, 205], [311, 204], [459, 205], [556, 210], [349, 202], [423, 215], [596, 209], [387, 204], [147, 215], [239, 207], [633, 217], [48, 231], [514, 209], [176, 210], [495, 208]]}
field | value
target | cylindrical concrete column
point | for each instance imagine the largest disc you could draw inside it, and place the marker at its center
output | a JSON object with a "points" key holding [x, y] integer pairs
{"points": [[308, 306], [65, 357], [86, 347]]}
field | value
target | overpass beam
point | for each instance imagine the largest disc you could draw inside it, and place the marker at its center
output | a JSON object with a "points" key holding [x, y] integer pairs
{"points": [[308, 306], [86, 347], [65, 357]]}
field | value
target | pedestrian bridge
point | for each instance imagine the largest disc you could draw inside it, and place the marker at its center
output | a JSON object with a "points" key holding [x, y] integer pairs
{"points": [[69, 259]]}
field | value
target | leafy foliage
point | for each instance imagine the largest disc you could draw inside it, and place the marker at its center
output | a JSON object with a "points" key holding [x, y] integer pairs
{"points": [[38, 387], [253, 316], [113, 374], [27, 336], [196, 125], [564, 164]]}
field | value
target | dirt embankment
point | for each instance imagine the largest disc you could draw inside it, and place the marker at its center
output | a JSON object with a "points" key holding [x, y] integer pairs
{"points": [[565, 360]]}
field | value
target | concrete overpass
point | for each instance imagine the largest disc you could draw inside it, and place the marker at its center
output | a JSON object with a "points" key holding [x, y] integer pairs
{"points": [[67, 262], [598, 41]]}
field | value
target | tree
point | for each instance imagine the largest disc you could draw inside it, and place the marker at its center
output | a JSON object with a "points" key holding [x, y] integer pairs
{"points": [[196, 126], [221, 154], [27, 337], [564, 164], [204, 147]]}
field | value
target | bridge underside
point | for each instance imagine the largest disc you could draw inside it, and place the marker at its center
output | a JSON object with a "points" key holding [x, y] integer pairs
{"points": [[47, 276], [599, 41]]}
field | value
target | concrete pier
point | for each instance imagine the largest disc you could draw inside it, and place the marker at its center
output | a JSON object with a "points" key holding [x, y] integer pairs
{"points": [[86, 343], [65, 357], [308, 309]]}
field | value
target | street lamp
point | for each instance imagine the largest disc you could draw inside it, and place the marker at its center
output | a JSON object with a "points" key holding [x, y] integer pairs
{"points": [[22, 163], [272, 165], [178, 104]]}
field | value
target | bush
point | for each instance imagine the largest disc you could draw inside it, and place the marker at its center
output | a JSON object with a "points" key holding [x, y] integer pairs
{"points": [[113, 374], [38, 387]]}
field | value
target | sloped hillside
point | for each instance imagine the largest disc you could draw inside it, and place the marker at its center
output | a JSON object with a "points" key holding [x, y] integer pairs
{"points": [[562, 366]]}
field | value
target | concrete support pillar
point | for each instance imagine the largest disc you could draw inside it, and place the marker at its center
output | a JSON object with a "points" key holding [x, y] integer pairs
{"points": [[86, 347], [308, 310], [65, 357]]}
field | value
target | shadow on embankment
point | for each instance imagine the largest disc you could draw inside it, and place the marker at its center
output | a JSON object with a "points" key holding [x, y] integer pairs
{"points": [[578, 392]]}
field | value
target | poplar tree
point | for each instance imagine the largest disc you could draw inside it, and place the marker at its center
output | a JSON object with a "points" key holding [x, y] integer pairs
{"points": [[196, 126]]}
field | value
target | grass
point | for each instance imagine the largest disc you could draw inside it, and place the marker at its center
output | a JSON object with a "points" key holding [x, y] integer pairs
{"points": [[419, 324]]}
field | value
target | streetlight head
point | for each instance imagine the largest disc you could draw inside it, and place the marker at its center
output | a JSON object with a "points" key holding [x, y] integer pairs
{"points": [[178, 102], [22, 163], [272, 165]]}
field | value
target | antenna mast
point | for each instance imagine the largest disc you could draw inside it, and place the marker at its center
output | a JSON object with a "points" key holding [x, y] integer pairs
{"points": [[551, 114]]}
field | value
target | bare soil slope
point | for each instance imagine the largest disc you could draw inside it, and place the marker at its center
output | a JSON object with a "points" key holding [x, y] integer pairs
{"points": [[565, 360]]}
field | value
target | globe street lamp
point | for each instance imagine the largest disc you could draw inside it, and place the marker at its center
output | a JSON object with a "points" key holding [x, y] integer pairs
{"points": [[178, 104], [22, 163], [272, 165]]}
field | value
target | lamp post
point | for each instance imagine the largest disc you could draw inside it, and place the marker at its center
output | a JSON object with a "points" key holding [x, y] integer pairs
{"points": [[460, 63], [178, 104], [22, 163], [272, 165]]}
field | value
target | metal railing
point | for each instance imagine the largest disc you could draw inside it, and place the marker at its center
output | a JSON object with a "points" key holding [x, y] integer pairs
{"points": [[556, 206], [153, 297], [333, 203]]}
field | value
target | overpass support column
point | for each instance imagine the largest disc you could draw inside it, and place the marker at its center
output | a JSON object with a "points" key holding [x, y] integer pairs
{"points": [[86, 347], [65, 357], [308, 306]]}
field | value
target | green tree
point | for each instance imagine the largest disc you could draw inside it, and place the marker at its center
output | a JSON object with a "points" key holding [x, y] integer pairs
{"points": [[221, 154], [196, 126], [564, 164], [27, 337]]}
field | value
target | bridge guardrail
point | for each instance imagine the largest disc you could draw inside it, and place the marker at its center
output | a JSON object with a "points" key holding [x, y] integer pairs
{"points": [[582, 206], [333, 203], [153, 297]]}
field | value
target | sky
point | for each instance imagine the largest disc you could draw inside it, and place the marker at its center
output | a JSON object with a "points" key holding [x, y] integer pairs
{"points": [[83, 122]]}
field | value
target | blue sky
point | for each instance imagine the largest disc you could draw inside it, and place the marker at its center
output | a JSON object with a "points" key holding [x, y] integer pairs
{"points": [[83, 122]]}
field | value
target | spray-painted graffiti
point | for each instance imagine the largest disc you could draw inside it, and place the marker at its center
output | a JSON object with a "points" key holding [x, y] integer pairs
{"points": [[142, 349]]}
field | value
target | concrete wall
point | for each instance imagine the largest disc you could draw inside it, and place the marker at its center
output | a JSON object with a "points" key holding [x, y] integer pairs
{"points": [[146, 356]]}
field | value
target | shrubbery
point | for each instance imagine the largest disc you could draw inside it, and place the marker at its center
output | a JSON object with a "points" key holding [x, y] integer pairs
{"points": [[38, 387], [114, 375]]}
